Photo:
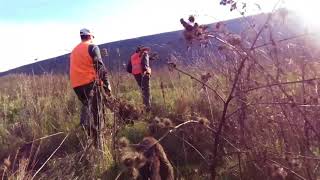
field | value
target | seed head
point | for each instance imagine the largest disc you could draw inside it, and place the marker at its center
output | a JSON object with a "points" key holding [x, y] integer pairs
{"points": [[123, 142], [128, 159], [156, 120], [202, 120], [140, 160], [133, 173], [167, 122], [7, 162]]}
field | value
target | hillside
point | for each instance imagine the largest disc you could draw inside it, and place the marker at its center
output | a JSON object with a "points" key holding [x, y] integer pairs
{"points": [[164, 44], [252, 114]]}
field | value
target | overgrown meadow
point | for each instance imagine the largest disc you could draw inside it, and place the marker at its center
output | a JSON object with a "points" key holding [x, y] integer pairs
{"points": [[243, 111]]}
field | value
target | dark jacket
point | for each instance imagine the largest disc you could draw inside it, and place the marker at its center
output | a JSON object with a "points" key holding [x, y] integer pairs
{"points": [[99, 66]]}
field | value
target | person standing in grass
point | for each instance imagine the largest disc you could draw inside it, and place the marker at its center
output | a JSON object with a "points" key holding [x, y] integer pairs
{"points": [[87, 72], [138, 65]]}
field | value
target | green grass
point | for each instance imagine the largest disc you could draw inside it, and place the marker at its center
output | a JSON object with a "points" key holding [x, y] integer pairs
{"points": [[39, 106], [33, 107]]}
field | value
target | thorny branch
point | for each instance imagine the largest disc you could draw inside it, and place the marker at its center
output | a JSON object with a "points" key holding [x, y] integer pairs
{"points": [[281, 40], [50, 157], [174, 66], [192, 146], [226, 103], [289, 169], [280, 83], [223, 118], [286, 94]]}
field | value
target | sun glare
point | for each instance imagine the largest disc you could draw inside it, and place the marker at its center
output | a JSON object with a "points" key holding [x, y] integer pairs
{"points": [[307, 10]]}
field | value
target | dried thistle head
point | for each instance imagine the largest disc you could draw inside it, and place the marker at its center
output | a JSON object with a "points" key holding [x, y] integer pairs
{"points": [[278, 172], [128, 159], [191, 18], [194, 115], [147, 143], [7, 162], [234, 39], [156, 120], [203, 121], [123, 142], [133, 173], [205, 77], [167, 122], [140, 160], [161, 125], [295, 163], [128, 162], [171, 66], [127, 111]]}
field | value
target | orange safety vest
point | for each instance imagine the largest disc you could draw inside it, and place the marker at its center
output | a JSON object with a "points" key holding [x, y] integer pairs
{"points": [[136, 64], [81, 66]]}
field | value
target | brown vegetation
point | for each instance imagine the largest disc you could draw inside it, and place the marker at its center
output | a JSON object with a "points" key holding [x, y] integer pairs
{"points": [[254, 117]]}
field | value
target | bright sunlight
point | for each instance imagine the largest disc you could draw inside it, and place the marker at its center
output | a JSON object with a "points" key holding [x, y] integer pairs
{"points": [[308, 10]]}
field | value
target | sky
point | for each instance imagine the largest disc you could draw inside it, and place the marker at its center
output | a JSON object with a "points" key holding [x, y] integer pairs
{"points": [[34, 30]]}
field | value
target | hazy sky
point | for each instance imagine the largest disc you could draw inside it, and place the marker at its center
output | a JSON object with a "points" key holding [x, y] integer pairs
{"points": [[41, 29]]}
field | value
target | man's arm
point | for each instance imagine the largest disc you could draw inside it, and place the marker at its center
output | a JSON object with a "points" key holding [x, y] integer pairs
{"points": [[145, 62], [99, 66], [129, 67], [95, 54]]}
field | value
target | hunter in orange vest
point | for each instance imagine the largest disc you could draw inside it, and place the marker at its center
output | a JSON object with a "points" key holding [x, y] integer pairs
{"points": [[82, 69], [138, 65], [87, 71]]}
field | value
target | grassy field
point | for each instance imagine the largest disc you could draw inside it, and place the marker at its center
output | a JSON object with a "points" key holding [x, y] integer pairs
{"points": [[35, 107], [267, 123]]}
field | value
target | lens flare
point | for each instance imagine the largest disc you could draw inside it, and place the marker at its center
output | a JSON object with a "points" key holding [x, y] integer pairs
{"points": [[307, 10]]}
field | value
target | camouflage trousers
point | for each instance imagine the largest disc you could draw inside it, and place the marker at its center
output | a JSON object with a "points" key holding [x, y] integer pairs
{"points": [[144, 84], [91, 101]]}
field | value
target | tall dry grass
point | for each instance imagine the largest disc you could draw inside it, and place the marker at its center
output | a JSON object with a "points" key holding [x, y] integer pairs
{"points": [[255, 118], [263, 136], [37, 112]]}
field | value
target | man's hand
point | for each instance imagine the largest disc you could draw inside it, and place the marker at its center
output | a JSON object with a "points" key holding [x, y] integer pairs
{"points": [[148, 71], [107, 87], [107, 90], [108, 93]]}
